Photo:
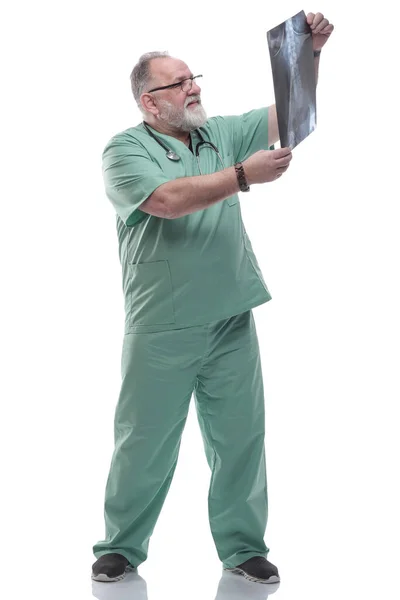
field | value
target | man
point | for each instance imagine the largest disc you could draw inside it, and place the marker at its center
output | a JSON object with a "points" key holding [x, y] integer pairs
{"points": [[190, 280]]}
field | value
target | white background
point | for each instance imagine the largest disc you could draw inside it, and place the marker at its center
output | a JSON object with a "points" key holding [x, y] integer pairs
{"points": [[326, 237]]}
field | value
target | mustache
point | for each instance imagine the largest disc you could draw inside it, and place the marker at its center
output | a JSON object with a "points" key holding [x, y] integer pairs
{"points": [[192, 99]]}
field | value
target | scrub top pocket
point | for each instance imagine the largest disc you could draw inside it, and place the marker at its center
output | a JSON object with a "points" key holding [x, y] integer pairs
{"points": [[151, 301]]}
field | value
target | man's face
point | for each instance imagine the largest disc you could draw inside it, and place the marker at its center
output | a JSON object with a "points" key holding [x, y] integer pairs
{"points": [[181, 110]]}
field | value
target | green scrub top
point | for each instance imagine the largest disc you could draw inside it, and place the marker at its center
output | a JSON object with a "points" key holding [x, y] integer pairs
{"points": [[198, 268]]}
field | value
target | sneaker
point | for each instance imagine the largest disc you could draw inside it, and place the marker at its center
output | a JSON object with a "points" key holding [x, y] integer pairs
{"points": [[111, 567], [257, 569]]}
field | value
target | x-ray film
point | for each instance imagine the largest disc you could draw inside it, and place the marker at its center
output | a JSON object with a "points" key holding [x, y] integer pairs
{"points": [[292, 61]]}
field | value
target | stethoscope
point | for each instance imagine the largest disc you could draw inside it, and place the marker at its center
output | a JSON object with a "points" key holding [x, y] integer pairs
{"points": [[173, 156]]}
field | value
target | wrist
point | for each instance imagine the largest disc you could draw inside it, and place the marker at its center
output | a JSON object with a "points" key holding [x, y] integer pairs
{"points": [[241, 177]]}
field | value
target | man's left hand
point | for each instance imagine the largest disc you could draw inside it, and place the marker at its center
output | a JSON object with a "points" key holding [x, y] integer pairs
{"points": [[321, 29]]}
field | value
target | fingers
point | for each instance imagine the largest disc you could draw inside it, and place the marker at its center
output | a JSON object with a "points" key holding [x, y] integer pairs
{"points": [[283, 161], [280, 152], [317, 20], [281, 170], [328, 29], [310, 18], [318, 28], [319, 24]]}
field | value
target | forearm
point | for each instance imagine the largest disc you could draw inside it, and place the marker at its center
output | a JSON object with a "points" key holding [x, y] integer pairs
{"points": [[189, 194]]}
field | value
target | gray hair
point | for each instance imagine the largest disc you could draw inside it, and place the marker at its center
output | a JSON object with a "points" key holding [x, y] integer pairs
{"points": [[141, 74]]}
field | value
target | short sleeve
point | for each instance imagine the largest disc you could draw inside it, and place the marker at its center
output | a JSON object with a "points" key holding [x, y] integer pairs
{"points": [[130, 176], [249, 132]]}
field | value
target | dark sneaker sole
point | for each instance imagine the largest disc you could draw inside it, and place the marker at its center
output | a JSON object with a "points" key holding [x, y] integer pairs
{"points": [[271, 579], [106, 579]]}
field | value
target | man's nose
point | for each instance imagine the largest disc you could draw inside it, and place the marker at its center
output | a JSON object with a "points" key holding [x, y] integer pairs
{"points": [[196, 89]]}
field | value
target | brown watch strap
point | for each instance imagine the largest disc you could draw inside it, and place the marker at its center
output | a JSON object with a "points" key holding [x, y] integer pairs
{"points": [[243, 185]]}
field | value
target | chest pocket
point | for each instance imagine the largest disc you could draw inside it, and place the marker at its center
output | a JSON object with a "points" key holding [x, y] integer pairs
{"points": [[229, 162]]}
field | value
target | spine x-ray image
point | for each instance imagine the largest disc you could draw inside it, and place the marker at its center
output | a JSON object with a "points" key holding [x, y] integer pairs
{"points": [[292, 61]]}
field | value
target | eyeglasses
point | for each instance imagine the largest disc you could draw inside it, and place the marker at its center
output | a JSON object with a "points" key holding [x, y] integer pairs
{"points": [[185, 84]]}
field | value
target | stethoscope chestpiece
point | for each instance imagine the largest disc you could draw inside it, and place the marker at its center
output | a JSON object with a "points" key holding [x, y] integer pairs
{"points": [[172, 155]]}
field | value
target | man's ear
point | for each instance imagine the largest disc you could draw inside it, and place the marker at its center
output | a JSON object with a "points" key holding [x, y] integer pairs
{"points": [[148, 103]]}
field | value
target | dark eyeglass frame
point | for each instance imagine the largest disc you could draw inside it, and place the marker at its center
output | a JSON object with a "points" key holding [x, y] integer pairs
{"points": [[174, 85]]}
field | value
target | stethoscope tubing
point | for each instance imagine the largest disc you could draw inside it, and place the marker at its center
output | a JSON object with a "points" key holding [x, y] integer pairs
{"points": [[173, 156]]}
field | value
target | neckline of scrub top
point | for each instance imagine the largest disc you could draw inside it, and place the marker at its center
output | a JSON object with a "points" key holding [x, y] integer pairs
{"points": [[165, 135]]}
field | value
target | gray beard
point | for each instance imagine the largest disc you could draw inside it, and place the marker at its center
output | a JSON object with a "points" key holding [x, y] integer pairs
{"points": [[183, 119]]}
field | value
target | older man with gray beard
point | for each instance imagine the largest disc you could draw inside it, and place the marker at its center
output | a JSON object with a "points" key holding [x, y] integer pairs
{"points": [[190, 281]]}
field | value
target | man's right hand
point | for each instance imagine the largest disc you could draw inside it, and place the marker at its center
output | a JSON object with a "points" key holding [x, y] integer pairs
{"points": [[266, 165]]}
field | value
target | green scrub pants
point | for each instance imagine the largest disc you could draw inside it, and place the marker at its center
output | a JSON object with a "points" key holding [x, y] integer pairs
{"points": [[220, 364]]}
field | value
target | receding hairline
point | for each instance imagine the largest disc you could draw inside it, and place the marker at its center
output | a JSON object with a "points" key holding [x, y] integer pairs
{"points": [[177, 77]]}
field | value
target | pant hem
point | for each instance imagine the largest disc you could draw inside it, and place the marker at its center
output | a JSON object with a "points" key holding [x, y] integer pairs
{"points": [[132, 560], [241, 557]]}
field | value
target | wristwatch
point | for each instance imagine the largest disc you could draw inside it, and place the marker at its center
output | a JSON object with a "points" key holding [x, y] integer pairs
{"points": [[243, 185], [317, 53]]}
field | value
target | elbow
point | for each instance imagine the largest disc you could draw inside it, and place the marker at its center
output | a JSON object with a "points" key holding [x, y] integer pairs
{"points": [[167, 213], [165, 202], [158, 204], [168, 207]]}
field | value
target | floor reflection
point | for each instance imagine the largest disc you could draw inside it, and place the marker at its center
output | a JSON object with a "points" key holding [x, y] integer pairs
{"points": [[230, 587]]}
